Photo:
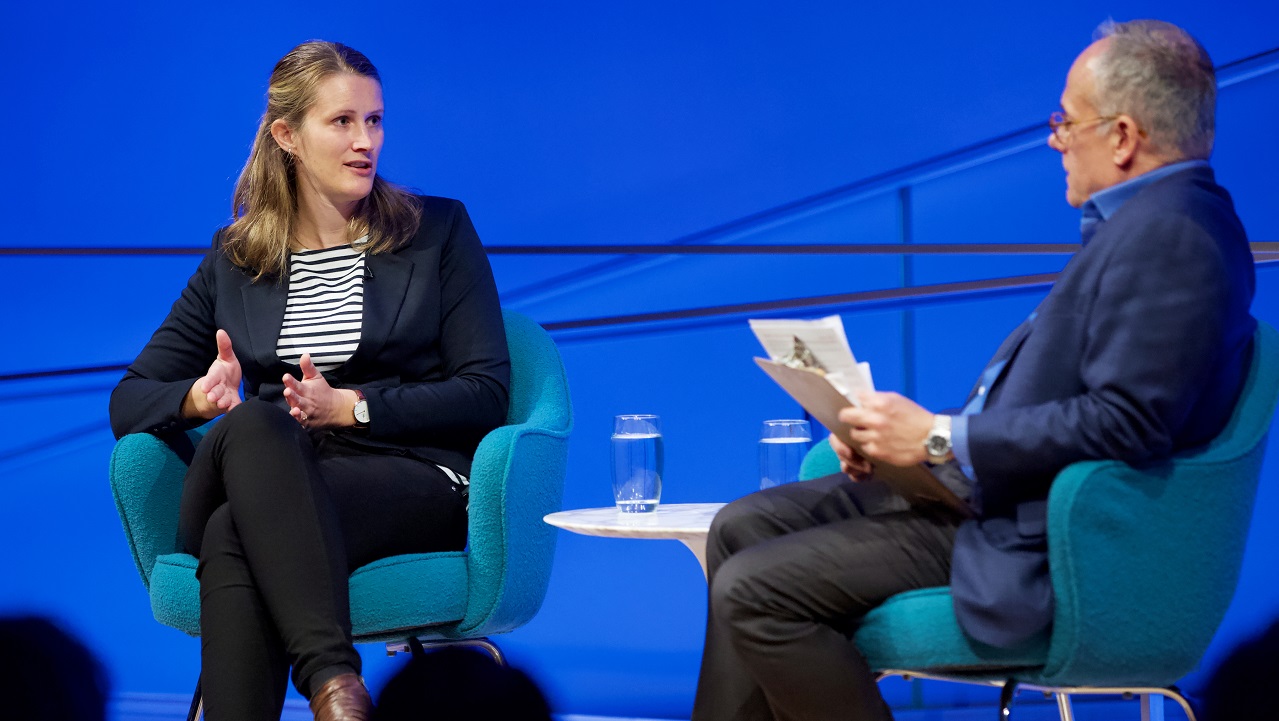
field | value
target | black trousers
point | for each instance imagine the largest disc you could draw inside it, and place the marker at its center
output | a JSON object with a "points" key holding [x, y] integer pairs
{"points": [[792, 571], [279, 518]]}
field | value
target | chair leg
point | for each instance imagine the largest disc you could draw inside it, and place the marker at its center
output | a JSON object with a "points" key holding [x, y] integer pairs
{"points": [[1064, 709], [415, 646], [196, 712], [486, 645], [1006, 699], [1152, 707]]}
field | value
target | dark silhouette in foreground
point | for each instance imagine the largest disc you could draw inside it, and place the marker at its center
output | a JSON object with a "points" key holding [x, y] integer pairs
{"points": [[455, 683]]}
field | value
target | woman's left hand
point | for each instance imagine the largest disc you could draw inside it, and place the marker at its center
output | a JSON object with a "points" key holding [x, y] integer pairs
{"points": [[315, 403]]}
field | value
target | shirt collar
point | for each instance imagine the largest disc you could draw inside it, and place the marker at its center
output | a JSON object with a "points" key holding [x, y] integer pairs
{"points": [[1104, 203]]}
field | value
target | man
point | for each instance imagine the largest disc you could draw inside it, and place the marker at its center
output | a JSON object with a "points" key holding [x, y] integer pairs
{"points": [[1138, 352]]}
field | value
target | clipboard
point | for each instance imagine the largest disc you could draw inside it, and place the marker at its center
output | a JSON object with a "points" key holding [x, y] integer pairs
{"points": [[811, 390]]}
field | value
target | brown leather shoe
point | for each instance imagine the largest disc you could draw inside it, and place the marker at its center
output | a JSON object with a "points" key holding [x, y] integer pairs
{"points": [[342, 698]]}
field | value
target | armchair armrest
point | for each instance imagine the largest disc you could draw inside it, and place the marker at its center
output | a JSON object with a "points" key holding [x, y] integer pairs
{"points": [[820, 461], [516, 479], [146, 482], [1167, 539]]}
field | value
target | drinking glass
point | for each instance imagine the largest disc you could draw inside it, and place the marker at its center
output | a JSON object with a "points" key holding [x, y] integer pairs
{"points": [[782, 445], [637, 463]]}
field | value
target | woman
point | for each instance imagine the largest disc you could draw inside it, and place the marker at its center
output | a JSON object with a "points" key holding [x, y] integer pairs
{"points": [[364, 326]]}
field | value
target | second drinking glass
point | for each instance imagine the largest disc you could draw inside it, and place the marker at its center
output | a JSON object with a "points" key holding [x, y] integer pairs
{"points": [[782, 446]]}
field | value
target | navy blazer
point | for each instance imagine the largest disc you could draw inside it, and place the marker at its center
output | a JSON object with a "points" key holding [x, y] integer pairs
{"points": [[432, 359], [1139, 351]]}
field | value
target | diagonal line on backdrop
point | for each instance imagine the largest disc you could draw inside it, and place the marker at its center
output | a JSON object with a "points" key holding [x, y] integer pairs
{"points": [[68, 436], [913, 292]]}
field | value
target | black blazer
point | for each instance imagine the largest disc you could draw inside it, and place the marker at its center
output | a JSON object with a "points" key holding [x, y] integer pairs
{"points": [[432, 358]]}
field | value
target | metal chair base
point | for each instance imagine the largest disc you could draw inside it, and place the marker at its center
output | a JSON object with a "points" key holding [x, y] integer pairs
{"points": [[1151, 698], [196, 712], [417, 646]]}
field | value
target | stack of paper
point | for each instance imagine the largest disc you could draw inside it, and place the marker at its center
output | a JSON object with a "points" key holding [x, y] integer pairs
{"points": [[811, 360], [827, 345]]}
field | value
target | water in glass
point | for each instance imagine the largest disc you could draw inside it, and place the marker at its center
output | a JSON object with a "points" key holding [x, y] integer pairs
{"points": [[637, 463], [779, 460], [782, 447]]}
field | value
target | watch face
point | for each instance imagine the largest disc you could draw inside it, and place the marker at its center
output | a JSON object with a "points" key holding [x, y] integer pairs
{"points": [[938, 445], [362, 411]]}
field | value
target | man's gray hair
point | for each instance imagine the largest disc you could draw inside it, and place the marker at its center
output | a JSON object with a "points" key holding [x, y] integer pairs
{"points": [[1156, 73]]}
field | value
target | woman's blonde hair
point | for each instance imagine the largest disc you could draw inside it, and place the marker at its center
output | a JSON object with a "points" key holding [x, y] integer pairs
{"points": [[265, 206]]}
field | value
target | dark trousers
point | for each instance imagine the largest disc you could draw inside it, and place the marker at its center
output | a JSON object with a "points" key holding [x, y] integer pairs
{"points": [[279, 518], [792, 571]]}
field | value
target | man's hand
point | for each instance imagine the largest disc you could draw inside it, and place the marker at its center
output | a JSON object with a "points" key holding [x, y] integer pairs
{"points": [[852, 463], [218, 390], [889, 427], [315, 403]]}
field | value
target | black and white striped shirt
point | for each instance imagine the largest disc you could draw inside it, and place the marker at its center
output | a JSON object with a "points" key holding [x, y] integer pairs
{"points": [[325, 308], [325, 311]]}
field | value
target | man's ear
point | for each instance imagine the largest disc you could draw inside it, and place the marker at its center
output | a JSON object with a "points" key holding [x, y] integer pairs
{"points": [[1126, 138], [283, 135]]}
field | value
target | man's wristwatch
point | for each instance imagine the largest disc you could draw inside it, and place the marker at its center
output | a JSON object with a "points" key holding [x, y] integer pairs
{"points": [[361, 409], [937, 444]]}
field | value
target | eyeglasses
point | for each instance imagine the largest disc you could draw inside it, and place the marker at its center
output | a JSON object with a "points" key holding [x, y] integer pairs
{"points": [[1062, 125]]}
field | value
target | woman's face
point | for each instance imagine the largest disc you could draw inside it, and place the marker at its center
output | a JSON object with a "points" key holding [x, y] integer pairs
{"points": [[336, 148]]}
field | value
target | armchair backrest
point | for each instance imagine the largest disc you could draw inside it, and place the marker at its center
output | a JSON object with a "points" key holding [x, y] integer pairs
{"points": [[1145, 560], [539, 388]]}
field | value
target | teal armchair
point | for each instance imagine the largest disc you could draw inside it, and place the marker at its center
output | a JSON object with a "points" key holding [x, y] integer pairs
{"points": [[494, 586], [1116, 535]]}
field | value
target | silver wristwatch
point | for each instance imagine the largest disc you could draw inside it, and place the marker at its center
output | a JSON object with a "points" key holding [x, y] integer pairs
{"points": [[937, 444]]}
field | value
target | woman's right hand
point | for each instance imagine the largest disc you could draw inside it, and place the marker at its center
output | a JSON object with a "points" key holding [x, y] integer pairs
{"points": [[218, 390], [853, 464]]}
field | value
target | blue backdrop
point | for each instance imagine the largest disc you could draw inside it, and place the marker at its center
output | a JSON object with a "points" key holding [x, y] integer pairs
{"points": [[568, 123]]}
